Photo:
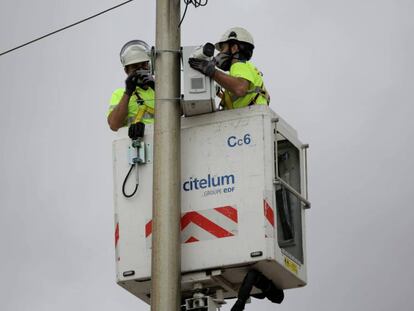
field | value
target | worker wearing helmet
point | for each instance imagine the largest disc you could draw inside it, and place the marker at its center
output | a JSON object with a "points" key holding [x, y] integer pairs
{"points": [[135, 102], [244, 84]]}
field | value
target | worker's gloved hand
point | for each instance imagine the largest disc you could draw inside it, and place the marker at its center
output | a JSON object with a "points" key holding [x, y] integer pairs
{"points": [[147, 79], [130, 84], [206, 67]]}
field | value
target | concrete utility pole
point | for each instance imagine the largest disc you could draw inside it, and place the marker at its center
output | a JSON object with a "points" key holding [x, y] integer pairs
{"points": [[166, 243]]}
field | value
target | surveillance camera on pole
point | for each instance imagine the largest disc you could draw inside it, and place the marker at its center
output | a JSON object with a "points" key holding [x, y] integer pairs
{"points": [[198, 89]]}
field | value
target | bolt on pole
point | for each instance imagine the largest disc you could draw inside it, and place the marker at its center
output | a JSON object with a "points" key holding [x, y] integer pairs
{"points": [[166, 241]]}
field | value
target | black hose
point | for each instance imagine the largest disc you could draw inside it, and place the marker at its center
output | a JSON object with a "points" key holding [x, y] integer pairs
{"points": [[124, 183], [257, 279]]}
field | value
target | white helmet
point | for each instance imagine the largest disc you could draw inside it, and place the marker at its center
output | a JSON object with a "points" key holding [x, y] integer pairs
{"points": [[135, 51], [237, 34]]}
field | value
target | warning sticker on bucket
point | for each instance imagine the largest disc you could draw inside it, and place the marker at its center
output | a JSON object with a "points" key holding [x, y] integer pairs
{"points": [[216, 223], [291, 265]]}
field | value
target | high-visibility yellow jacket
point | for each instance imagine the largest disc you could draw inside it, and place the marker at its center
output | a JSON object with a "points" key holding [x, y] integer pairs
{"points": [[140, 106], [256, 94]]}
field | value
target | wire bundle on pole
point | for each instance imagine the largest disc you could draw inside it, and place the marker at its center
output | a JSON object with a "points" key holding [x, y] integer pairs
{"points": [[195, 3]]}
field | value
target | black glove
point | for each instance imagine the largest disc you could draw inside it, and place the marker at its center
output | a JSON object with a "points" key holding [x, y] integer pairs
{"points": [[131, 84], [206, 67]]}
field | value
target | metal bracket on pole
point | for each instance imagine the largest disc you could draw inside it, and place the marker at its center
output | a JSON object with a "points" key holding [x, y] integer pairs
{"points": [[173, 98], [168, 51], [155, 51]]}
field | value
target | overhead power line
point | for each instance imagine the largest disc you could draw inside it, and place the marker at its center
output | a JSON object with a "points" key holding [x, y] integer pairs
{"points": [[66, 27]]}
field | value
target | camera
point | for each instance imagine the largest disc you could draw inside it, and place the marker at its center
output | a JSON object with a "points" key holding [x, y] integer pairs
{"points": [[205, 51], [142, 77]]}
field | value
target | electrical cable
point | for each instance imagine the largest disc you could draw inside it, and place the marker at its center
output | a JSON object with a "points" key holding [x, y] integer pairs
{"points": [[124, 183], [195, 3], [66, 27]]}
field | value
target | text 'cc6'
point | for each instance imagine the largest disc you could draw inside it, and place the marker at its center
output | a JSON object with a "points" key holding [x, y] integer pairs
{"points": [[234, 141]]}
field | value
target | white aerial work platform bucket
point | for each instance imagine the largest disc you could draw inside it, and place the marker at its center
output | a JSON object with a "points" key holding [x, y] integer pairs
{"points": [[243, 194]]}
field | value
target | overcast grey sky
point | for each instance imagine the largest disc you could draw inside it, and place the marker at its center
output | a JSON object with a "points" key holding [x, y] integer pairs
{"points": [[340, 72]]}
